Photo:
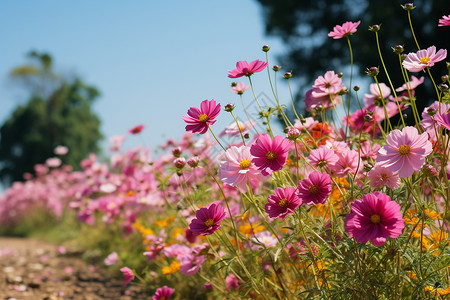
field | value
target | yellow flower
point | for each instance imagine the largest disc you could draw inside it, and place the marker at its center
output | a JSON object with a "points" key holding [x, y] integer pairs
{"points": [[173, 268], [165, 222], [410, 217], [411, 275], [432, 214], [250, 229]]}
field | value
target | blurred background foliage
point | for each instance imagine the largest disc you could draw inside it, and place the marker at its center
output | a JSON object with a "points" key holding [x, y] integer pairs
{"points": [[58, 112]]}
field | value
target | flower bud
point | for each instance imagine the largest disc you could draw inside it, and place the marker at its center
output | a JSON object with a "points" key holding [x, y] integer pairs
{"points": [[340, 75], [179, 162], [293, 133], [356, 88], [398, 49], [177, 152], [276, 68], [444, 78], [193, 161], [443, 87], [408, 6], [287, 75], [229, 107], [265, 48], [233, 84], [372, 71], [374, 28], [246, 136], [429, 170]]}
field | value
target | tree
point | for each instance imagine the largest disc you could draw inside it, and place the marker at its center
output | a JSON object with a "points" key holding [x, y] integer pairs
{"points": [[57, 113], [303, 26]]}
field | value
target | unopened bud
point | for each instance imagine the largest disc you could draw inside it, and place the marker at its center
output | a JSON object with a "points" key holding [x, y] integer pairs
{"points": [[246, 136], [233, 84], [265, 48], [293, 133], [177, 152], [443, 87], [444, 78], [229, 107], [287, 75], [372, 71], [276, 68], [374, 28], [340, 75], [356, 88], [398, 49], [193, 161], [179, 162], [408, 6]]}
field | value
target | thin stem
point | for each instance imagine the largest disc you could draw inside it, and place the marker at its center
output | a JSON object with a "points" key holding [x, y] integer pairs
{"points": [[412, 29], [210, 130]]}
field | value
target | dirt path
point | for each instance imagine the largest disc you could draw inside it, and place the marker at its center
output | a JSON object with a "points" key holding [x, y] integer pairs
{"points": [[33, 270]]}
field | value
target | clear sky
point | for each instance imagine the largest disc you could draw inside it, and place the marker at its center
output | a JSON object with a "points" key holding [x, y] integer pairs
{"points": [[151, 60]]}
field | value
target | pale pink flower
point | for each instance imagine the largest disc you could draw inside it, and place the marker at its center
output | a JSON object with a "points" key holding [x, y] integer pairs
{"points": [[236, 129], [415, 62], [349, 162], [445, 21], [322, 157], [443, 120], [375, 217], [405, 151], [238, 169], [345, 30], [380, 177], [116, 142], [243, 68], [412, 84], [231, 282], [374, 98], [53, 162], [61, 150], [429, 113], [240, 88], [328, 84], [111, 259], [264, 239]]}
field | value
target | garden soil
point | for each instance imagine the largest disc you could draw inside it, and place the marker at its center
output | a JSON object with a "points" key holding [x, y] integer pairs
{"points": [[34, 270]]}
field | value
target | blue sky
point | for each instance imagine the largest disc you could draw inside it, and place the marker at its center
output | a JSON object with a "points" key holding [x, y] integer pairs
{"points": [[151, 60]]}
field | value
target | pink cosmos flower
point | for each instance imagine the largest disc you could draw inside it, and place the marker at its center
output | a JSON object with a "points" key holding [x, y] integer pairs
{"points": [[314, 189], [236, 129], [443, 120], [349, 162], [445, 21], [412, 84], [207, 220], [380, 177], [163, 293], [61, 150], [111, 259], [199, 119], [53, 162], [243, 68], [415, 62], [116, 142], [322, 157], [374, 98], [405, 151], [231, 282], [270, 155], [282, 202], [137, 129], [374, 218], [328, 84], [238, 169], [429, 119], [345, 30], [240, 88], [264, 239], [128, 275]]}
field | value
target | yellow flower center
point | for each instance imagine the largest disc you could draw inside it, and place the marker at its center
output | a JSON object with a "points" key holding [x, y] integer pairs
{"points": [[203, 118], [404, 150], [313, 189], [283, 203], [375, 219], [425, 60], [384, 177], [245, 164], [271, 155], [209, 222]]}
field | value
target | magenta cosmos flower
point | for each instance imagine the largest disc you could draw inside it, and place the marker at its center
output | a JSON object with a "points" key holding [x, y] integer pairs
{"points": [[163, 293], [270, 155], [445, 21], [415, 62], [443, 120], [128, 275], [405, 151], [208, 219], [374, 218], [315, 189], [345, 30], [238, 169], [137, 129], [243, 68], [282, 203], [199, 119]]}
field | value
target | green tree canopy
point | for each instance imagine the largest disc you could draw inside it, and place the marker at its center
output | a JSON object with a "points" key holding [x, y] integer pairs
{"points": [[304, 25], [57, 113]]}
